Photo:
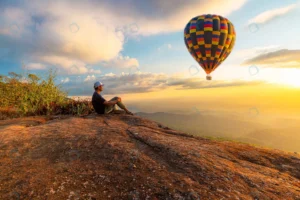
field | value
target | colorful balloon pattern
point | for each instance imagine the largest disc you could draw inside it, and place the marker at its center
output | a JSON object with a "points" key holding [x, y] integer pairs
{"points": [[209, 39]]}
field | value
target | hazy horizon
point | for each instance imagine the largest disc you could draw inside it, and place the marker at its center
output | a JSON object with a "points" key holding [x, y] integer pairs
{"points": [[278, 132], [268, 99]]}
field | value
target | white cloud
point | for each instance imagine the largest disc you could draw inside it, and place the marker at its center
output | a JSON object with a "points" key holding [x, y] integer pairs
{"points": [[148, 82], [110, 75], [66, 34], [35, 66], [65, 80], [69, 66], [90, 78], [245, 54], [122, 62], [164, 47], [271, 14], [282, 58], [93, 71]]}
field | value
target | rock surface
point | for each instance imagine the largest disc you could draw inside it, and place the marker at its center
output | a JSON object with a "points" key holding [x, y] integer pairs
{"points": [[120, 156]]}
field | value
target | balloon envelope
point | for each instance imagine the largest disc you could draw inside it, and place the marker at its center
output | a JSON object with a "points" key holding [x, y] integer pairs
{"points": [[209, 39]]}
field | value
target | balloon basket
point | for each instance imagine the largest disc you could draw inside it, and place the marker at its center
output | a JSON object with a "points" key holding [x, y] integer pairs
{"points": [[208, 77]]}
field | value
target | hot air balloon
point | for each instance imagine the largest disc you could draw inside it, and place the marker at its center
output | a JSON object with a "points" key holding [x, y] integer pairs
{"points": [[209, 39]]}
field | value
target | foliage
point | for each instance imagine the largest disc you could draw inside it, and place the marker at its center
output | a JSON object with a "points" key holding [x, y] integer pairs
{"points": [[33, 95]]}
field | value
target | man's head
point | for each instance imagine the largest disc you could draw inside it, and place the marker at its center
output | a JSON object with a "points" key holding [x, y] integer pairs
{"points": [[98, 86]]}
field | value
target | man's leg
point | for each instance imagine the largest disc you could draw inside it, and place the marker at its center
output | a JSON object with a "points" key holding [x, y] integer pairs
{"points": [[109, 109], [120, 104]]}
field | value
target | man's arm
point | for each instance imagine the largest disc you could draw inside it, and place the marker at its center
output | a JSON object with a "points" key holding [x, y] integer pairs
{"points": [[110, 103], [99, 99]]}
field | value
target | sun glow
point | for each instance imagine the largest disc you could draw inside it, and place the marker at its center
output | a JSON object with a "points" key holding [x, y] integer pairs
{"points": [[295, 82], [288, 77], [292, 78]]}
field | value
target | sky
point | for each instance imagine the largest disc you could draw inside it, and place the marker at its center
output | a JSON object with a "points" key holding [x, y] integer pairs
{"points": [[136, 48]]}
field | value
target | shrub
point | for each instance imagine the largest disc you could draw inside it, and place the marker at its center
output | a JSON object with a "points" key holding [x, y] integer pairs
{"points": [[33, 95]]}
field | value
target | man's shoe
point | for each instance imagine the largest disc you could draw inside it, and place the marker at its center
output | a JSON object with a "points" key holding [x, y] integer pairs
{"points": [[129, 113]]}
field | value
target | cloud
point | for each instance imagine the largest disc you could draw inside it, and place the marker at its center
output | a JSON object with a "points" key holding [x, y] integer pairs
{"points": [[246, 54], [64, 65], [69, 66], [269, 15], [93, 71], [122, 62], [67, 33], [152, 19], [110, 75], [90, 78], [65, 80], [14, 21], [142, 82], [282, 58], [164, 47], [195, 83], [35, 66], [60, 34]]}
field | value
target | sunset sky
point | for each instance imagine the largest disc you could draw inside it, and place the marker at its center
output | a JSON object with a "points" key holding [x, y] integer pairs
{"points": [[136, 49]]}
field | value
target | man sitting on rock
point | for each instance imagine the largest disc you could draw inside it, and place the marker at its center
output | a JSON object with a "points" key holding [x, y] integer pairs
{"points": [[102, 106]]}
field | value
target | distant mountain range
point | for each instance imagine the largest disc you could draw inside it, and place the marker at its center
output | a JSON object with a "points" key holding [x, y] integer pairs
{"points": [[278, 133]]}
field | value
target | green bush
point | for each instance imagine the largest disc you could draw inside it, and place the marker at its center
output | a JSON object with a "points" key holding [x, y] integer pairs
{"points": [[33, 95]]}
